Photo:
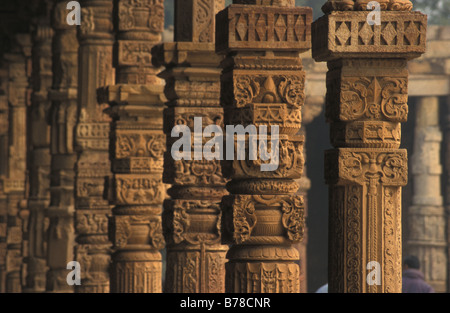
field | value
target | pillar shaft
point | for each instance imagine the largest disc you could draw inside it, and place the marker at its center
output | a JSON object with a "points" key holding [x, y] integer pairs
{"points": [[63, 117], [138, 145], [14, 183], [93, 167], [195, 255], [426, 216], [262, 88], [366, 102], [39, 154]]}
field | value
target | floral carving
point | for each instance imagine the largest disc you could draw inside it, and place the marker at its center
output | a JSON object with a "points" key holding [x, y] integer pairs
{"points": [[293, 218]]}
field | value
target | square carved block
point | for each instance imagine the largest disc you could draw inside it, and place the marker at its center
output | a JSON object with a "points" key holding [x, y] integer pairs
{"points": [[348, 34], [263, 28]]}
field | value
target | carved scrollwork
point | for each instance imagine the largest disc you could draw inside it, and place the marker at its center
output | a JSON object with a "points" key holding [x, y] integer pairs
{"points": [[120, 230], [293, 218], [292, 89], [246, 89], [360, 166], [240, 217]]}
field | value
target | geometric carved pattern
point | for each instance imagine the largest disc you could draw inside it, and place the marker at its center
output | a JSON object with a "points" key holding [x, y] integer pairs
{"points": [[351, 35], [260, 28]]}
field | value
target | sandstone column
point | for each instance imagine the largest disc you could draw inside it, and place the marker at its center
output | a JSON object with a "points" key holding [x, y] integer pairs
{"points": [[195, 256], [39, 154], [137, 149], [14, 183], [262, 89], [426, 217], [93, 168], [366, 102], [63, 113]]}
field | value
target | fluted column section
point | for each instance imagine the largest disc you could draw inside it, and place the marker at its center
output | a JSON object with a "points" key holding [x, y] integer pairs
{"points": [[93, 167], [63, 117], [426, 216], [367, 95], [137, 148], [39, 154], [191, 219], [262, 86]]}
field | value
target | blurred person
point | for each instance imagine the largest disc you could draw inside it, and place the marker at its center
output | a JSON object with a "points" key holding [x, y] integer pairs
{"points": [[413, 278]]}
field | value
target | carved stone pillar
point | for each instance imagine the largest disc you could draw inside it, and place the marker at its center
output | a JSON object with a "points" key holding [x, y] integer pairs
{"points": [[262, 89], [191, 219], [366, 102], [426, 237], [39, 154], [4, 130], [63, 113], [14, 183], [137, 149], [93, 167]]}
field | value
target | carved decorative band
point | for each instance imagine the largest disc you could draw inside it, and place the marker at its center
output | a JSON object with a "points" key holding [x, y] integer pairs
{"points": [[258, 219], [262, 277], [348, 35], [261, 28], [193, 221], [366, 134], [360, 166]]}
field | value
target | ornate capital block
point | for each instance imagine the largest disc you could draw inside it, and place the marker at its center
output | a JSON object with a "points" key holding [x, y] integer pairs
{"points": [[287, 158], [260, 28], [349, 35], [139, 151], [387, 167], [367, 100], [139, 189]]}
